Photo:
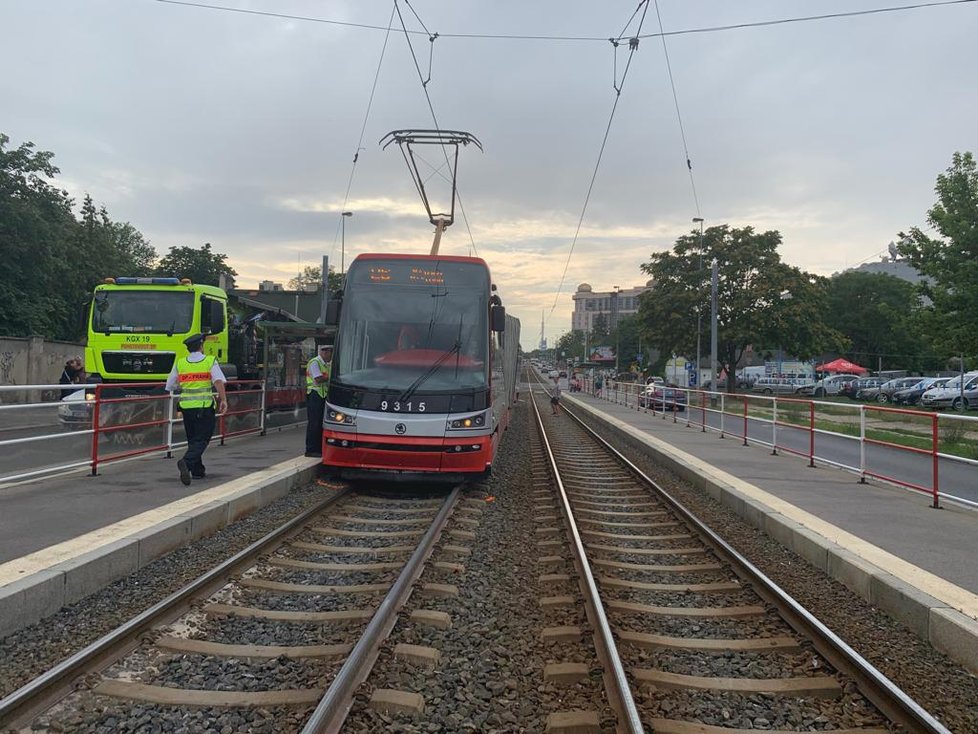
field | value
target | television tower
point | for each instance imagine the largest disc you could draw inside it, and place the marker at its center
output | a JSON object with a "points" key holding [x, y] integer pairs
{"points": [[543, 339]]}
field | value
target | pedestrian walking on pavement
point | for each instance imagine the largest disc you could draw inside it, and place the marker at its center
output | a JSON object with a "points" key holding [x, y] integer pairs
{"points": [[555, 397], [317, 385], [192, 377]]}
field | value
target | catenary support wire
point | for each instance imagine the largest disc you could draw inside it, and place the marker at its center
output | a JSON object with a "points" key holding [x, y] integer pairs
{"points": [[679, 114], [632, 48], [434, 118], [588, 39], [363, 130]]}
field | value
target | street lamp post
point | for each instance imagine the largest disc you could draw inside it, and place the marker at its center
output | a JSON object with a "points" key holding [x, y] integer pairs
{"points": [[714, 282], [784, 295], [614, 319], [343, 242], [699, 310]]}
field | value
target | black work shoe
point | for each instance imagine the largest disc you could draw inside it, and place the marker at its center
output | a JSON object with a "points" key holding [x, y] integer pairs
{"points": [[199, 476], [184, 472], [314, 454]]}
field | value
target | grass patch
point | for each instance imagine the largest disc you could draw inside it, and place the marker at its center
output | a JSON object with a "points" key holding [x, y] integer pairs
{"points": [[955, 438]]}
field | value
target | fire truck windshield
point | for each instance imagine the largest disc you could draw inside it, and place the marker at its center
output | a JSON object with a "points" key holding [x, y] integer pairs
{"points": [[157, 312]]}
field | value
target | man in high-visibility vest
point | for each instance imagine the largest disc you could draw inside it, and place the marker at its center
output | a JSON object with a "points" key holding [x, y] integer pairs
{"points": [[317, 384], [192, 377]]}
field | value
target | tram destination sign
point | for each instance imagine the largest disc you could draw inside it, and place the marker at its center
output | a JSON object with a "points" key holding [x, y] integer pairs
{"points": [[419, 273]]}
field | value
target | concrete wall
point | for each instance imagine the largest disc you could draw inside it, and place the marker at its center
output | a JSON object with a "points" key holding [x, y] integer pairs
{"points": [[33, 361]]}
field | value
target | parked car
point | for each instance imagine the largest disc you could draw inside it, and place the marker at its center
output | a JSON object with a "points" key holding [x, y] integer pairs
{"points": [[660, 397], [747, 376], [830, 385], [911, 395], [76, 409], [655, 380], [856, 389], [887, 389], [949, 394], [780, 385]]}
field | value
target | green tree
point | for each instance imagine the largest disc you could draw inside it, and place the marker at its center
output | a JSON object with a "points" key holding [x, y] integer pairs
{"points": [[760, 299], [600, 331], [630, 340], [313, 275], [950, 260], [51, 261], [199, 265], [36, 227], [876, 313], [571, 345], [136, 254]]}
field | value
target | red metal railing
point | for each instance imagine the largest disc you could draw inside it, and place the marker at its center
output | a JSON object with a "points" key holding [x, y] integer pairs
{"points": [[934, 489], [806, 421], [100, 430], [222, 419]]}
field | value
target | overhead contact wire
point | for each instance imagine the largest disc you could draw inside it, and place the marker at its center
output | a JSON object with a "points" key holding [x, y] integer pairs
{"points": [[589, 39], [363, 128], [434, 117], [679, 114], [604, 143]]}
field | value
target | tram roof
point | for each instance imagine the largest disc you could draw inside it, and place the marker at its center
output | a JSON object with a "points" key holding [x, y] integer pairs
{"points": [[428, 258]]}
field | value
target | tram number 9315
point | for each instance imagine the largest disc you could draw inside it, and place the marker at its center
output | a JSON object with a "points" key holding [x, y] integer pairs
{"points": [[399, 407]]}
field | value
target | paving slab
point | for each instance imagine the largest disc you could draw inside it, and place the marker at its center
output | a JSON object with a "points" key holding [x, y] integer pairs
{"points": [[39, 581], [43, 512]]}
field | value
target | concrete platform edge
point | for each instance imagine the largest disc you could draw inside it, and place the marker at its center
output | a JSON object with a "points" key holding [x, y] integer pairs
{"points": [[948, 630], [45, 592]]}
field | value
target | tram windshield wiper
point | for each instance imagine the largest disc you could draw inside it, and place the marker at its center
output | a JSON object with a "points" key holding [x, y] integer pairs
{"points": [[413, 387]]}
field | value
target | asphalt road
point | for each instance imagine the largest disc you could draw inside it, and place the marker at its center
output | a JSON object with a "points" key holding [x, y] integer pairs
{"points": [[955, 478]]}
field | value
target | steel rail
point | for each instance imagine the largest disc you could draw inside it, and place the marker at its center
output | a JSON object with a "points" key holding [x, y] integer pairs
{"points": [[330, 715], [35, 696], [889, 698], [619, 692]]}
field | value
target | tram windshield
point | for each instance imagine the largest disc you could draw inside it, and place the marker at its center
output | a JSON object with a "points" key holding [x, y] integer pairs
{"points": [[414, 327]]}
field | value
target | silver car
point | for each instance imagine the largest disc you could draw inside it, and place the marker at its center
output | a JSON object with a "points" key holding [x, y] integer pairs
{"points": [[950, 395], [780, 385], [831, 385]]}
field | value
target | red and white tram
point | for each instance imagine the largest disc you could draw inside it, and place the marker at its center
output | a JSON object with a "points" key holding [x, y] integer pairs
{"points": [[424, 371]]}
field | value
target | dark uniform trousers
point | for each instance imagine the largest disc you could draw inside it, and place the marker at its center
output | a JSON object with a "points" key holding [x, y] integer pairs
{"points": [[315, 408], [199, 425]]}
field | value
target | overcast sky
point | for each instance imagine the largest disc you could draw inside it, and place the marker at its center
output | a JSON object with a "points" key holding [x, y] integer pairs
{"points": [[198, 125]]}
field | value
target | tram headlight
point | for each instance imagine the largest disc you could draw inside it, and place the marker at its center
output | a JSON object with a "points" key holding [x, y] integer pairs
{"points": [[475, 421], [340, 418]]}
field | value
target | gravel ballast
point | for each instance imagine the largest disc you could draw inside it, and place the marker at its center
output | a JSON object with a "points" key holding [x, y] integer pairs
{"points": [[943, 687], [490, 674], [29, 652]]}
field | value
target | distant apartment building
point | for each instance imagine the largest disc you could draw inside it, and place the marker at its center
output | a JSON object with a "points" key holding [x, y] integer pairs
{"points": [[613, 305]]}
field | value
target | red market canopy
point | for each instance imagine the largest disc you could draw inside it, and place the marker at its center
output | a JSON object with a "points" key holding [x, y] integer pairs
{"points": [[840, 365]]}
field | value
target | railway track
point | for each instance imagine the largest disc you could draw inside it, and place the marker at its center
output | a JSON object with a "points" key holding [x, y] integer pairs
{"points": [[288, 627], [685, 630]]}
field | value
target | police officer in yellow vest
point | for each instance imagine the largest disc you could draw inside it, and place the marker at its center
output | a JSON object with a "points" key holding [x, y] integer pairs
{"points": [[317, 383], [192, 377]]}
